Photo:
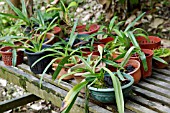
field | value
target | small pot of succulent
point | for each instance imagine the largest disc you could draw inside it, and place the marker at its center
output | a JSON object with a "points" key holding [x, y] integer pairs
{"points": [[161, 58], [96, 82], [12, 54]]}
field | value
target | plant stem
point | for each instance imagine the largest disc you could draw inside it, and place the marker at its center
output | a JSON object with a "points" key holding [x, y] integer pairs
{"points": [[86, 100]]}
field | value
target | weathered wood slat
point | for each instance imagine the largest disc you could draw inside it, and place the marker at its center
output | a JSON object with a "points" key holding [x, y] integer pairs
{"points": [[161, 77], [158, 107], [47, 78], [138, 108], [16, 102], [151, 95], [165, 72], [155, 89], [55, 93], [47, 91], [159, 83]]}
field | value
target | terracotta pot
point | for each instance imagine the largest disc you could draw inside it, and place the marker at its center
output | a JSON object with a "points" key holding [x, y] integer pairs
{"points": [[64, 70], [161, 65], [149, 55], [147, 73], [106, 40], [56, 30], [78, 76], [93, 29], [7, 56], [87, 52], [136, 73], [154, 43], [49, 39], [115, 55]]}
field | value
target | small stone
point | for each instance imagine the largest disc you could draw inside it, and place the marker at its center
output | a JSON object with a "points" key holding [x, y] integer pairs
{"points": [[3, 82], [87, 17], [79, 10], [36, 106], [95, 8], [97, 15], [144, 20], [93, 3], [149, 17], [150, 29], [86, 12], [15, 94], [86, 6]]}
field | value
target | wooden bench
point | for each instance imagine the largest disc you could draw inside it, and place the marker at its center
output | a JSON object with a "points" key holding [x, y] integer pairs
{"points": [[149, 96]]}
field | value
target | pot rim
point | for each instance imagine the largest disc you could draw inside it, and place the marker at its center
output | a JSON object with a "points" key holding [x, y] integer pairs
{"points": [[112, 89], [136, 68], [36, 53]]}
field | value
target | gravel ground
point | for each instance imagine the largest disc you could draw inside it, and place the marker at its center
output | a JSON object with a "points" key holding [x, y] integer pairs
{"points": [[9, 91]]}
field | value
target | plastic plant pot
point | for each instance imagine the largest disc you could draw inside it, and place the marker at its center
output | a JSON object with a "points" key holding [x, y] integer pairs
{"points": [[154, 43], [82, 29], [107, 95], [7, 56]]}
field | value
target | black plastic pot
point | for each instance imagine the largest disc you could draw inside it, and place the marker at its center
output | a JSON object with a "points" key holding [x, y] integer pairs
{"points": [[39, 67]]}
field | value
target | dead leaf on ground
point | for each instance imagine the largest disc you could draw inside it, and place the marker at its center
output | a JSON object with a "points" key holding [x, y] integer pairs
{"points": [[156, 22]]}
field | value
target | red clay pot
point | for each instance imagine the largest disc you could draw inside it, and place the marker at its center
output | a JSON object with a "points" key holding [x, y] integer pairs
{"points": [[7, 56], [64, 70], [56, 30], [149, 55], [87, 52], [106, 40], [93, 29], [147, 73], [161, 65], [136, 74], [154, 43]]}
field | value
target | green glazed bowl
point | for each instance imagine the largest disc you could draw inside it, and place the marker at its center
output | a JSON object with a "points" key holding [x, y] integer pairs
{"points": [[107, 95]]}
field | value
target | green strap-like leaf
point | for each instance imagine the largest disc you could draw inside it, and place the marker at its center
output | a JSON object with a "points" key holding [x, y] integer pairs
{"points": [[133, 23], [72, 4], [59, 67], [14, 57], [127, 56], [112, 23], [143, 59], [159, 59], [118, 91], [71, 95], [53, 8]]}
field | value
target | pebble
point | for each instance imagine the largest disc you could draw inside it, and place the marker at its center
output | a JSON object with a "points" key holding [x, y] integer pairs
{"points": [[3, 82], [87, 17], [98, 14], [79, 10]]}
